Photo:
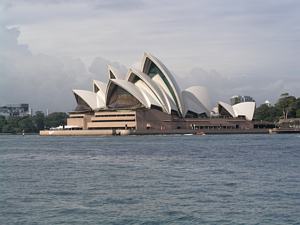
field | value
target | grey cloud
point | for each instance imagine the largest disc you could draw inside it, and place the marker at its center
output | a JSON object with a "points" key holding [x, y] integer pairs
{"points": [[9, 44], [254, 45], [222, 88], [99, 68], [103, 5], [119, 5], [43, 81]]}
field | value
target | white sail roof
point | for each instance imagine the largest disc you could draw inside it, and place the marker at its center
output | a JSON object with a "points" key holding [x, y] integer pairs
{"points": [[100, 88], [129, 87], [245, 109], [228, 108], [167, 81], [113, 73], [152, 86], [93, 100], [196, 99]]}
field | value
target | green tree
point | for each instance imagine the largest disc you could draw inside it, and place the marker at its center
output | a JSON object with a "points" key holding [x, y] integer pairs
{"points": [[11, 125], [39, 120], [56, 119], [298, 113], [32, 124], [7, 128], [266, 113], [26, 124], [296, 108], [285, 104], [2, 122]]}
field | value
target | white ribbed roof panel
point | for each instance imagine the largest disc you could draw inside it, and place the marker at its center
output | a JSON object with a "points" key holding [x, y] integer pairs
{"points": [[101, 88], [169, 77], [130, 88], [100, 85], [148, 94], [201, 94], [93, 100], [245, 109], [151, 85], [228, 108], [192, 103], [113, 73]]}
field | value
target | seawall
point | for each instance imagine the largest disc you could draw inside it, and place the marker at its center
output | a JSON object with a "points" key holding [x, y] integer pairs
{"points": [[83, 132], [149, 132]]}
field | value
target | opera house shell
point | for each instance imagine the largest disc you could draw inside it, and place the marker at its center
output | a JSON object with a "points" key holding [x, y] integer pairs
{"points": [[242, 109], [151, 87]]}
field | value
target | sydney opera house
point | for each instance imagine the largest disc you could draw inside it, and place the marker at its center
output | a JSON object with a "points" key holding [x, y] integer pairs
{"points": [[148, 99]]}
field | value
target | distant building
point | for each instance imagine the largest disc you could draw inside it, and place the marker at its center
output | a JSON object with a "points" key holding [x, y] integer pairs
{"points": [[240, 98], [268, 103], [15, 110]]}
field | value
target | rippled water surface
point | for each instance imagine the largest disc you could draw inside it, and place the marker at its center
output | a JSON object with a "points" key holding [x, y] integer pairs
{"points": [[222, 179]]}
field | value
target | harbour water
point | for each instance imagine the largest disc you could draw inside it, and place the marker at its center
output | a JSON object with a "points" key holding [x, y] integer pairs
{"points": [[221, 179]]}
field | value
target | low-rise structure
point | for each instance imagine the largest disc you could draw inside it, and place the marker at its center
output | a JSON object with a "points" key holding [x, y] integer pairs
{"points": [[15, 110]]}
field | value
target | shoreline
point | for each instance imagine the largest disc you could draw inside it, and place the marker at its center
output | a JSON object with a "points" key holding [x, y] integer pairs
{"points": [[150, 132]]}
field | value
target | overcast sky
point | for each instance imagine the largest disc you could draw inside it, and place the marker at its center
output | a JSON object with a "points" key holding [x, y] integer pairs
{"points": [[49, 47]]}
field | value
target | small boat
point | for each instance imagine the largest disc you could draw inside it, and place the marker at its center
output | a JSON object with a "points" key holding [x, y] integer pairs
{"points": [[200, 133]]}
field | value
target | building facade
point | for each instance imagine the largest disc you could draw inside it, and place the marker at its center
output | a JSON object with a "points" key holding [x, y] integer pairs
{"points": [[15, 110]]}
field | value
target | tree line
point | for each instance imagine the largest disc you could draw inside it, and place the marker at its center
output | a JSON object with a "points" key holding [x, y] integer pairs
{"points": [[32, 124], [287, 106]]}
